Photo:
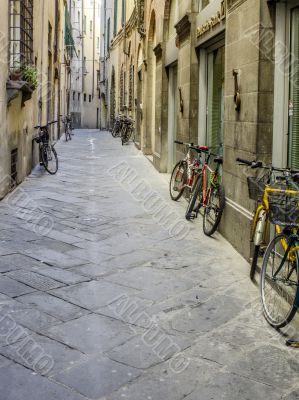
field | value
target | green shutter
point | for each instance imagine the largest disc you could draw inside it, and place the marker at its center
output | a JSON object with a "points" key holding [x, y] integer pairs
{"points": [[294, 93], [215, 99]]}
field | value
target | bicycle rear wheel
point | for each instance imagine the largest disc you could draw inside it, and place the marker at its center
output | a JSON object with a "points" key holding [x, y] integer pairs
{"points": [[66, 133], [195, 201], [213, 209], [178, 180], [279, 282], [49, 159]]}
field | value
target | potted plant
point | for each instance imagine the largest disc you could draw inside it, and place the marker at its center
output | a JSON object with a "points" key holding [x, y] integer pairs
{"points": [[30, 75]]}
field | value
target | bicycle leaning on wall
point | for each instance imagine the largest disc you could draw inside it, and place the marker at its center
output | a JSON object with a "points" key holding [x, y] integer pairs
{"points": [[48, 155], [259, 188], [208, 193], [185, 172]]}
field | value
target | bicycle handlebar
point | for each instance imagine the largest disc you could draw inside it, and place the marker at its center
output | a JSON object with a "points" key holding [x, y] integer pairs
{"points": [[253, 164], [258, 164]]}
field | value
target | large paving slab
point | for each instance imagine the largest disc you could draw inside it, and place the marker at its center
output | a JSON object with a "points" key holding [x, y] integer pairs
{"points": [[117, 303]]}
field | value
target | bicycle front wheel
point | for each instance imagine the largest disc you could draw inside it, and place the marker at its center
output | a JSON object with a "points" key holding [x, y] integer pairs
{"points": [[279, 281], [195, 201], [178, 180], [49, 159], [213, 209]]}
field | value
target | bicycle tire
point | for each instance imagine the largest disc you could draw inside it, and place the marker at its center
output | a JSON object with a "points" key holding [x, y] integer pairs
{"points": [[70, 133], [126, 136], [114, 132], [195, 194], [219, 191], [45, 160], [275, 318], [255, 257], [180, 168], [66, 133]]}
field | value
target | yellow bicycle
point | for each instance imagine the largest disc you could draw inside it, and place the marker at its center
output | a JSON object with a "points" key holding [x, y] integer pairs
{"points": [[279, 274], [259, 189]]}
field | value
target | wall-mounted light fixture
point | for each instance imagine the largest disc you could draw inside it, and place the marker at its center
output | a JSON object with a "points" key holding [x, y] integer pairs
{"points": [[181, 100], [237, 96]]}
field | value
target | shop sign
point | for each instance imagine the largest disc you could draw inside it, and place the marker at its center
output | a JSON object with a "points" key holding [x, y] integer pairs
{"points": [[213, 21]]}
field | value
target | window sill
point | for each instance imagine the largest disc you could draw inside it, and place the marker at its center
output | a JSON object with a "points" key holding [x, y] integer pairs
{"points": [[14, 88]]}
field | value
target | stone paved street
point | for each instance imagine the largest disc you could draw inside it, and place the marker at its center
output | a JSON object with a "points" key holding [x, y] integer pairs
{"points": [[103, 299]]}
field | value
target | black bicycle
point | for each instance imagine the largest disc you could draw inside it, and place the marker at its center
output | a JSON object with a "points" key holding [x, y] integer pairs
{"points": [[68, 127], [127, 130], [48, 155]]}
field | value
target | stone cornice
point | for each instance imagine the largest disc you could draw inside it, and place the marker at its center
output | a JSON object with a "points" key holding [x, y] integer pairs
{"points": [[130, 26], [183, 29]]}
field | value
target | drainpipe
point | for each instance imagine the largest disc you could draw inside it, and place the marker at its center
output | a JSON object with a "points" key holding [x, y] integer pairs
{"points": [[83, 37], [93, 50], [40, 117], [125, 54]]}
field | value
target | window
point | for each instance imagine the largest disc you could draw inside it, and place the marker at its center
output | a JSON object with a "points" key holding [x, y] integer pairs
{"points": [[79, 95], [293, 158], [21, 33], [98, 79], [13, 167], [74, 94], [203, 4], [131, 87], [85, 24], [90, 98], [123, 12], [98, 43], [115, 17], [215, 100], [84, 96], [50, 37], [84, 66], [122, 89], [108, 35], [90, 27]]}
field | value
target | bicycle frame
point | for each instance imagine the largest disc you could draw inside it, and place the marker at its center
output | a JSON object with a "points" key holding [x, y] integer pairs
{"points": [[209, 182], [264, 207]]}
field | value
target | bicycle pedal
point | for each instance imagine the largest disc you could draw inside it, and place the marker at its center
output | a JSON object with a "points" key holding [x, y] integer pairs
{"points": [[189, 217]]}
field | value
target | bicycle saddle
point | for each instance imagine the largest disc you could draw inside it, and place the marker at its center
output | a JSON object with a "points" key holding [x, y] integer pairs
{"points": [[203, 148], [41, 127]]}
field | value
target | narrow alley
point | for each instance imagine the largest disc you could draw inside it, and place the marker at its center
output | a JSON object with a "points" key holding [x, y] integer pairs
{"points": [[104, 298]]}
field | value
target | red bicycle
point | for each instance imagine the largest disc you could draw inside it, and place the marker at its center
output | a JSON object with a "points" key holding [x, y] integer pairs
{"points": [[185, 171], [208, 192]]}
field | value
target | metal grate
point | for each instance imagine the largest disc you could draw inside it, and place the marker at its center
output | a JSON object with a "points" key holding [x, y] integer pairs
{"points": [[21, 34], [13, 167]]}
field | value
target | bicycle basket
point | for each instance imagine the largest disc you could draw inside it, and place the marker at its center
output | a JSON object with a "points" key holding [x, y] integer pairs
{"points": [[284, 208], [256, 187]]}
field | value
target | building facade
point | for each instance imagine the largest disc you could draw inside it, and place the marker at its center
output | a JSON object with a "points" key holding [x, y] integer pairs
{"points": [[222, 73], [85, 65], [35, 80]]}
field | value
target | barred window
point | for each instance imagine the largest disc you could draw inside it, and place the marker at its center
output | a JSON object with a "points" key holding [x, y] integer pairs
{"points": [[122, 89], [131, 87], [21, 33]]}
